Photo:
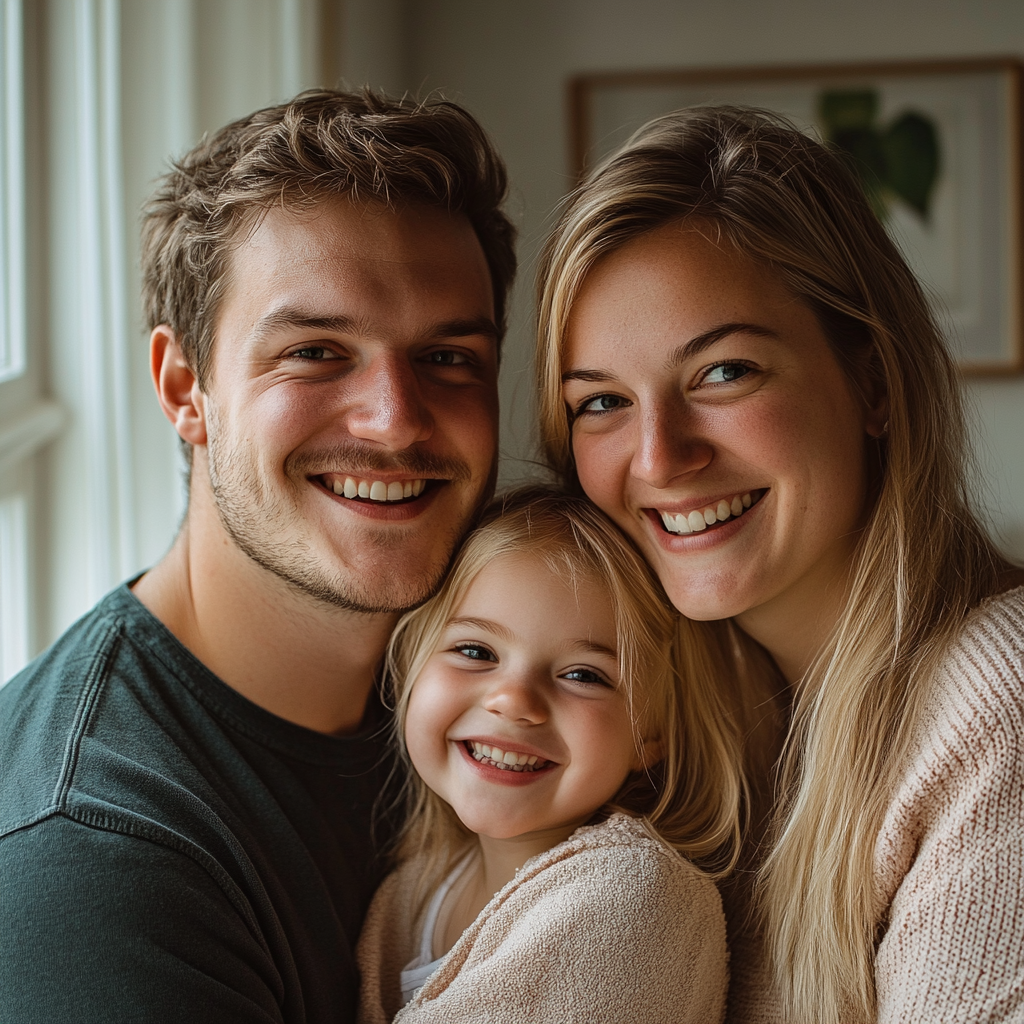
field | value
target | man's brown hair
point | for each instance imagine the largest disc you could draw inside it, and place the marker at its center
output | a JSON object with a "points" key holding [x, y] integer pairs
{"points": [[320, 145]]}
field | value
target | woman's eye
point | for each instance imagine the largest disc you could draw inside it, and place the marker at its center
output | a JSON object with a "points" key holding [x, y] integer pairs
{"points": [[586, 676], [475, 652], [725, 373], [602, 403]]}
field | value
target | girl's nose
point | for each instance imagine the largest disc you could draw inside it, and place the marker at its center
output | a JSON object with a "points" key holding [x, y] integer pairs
{"points": [[518, 698], [669, 444]]}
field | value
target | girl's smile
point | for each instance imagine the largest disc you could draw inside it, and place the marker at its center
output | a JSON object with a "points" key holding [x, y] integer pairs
{"points": [[517, 720]]}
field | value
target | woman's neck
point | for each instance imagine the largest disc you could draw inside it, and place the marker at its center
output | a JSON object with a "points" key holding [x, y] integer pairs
{"points": [[796, 625], [496, 866]]}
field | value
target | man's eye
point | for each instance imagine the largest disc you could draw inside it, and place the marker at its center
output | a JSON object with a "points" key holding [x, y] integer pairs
{"points": [[602, 403], [474, 652], [724, 373], [311, 352], [446, 357]]}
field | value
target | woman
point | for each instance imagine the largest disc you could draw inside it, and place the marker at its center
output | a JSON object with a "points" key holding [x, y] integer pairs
{"points": [[738, 367]]}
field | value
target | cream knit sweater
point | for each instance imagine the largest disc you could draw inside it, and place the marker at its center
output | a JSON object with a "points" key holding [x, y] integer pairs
{"points": [[607, 927], [949, 860]]}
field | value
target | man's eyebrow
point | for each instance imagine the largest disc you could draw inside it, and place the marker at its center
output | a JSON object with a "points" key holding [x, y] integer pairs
{"points": [[688, 349], [291, 317], [294, 318], [465, 328]]}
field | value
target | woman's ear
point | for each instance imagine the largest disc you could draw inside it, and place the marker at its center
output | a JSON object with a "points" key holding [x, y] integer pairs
{"points": [[876, 396], [177, 389]]}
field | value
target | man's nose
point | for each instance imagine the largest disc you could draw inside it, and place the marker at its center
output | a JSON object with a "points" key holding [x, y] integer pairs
{"points": [[387, 405], [669, 444], [518, 697]]}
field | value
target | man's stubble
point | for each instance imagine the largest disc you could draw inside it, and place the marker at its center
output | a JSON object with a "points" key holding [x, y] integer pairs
{"points": [[262, 523]]}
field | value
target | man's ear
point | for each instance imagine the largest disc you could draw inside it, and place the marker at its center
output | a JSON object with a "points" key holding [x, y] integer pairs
{"points": [[176, 386]]}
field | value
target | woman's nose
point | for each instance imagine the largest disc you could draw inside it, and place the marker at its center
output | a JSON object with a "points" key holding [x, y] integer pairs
{"points": [[517, 697], [668, 445]]}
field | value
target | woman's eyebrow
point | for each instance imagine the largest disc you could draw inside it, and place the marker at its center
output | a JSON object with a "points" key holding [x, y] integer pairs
{"points": [[704, 341], [685, 351]]}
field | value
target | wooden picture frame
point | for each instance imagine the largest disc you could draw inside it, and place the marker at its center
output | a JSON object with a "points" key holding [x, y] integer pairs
{"points": [[947, 179]]}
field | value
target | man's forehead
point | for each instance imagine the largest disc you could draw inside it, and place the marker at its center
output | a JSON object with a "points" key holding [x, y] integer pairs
{"points": [[342, 261]]}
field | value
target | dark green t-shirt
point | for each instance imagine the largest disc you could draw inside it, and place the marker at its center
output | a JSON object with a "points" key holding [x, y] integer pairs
{"points": [[169, 851]]}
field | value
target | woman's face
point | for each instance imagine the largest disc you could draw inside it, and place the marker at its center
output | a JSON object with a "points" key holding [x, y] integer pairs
{"points": [[714, 425]]}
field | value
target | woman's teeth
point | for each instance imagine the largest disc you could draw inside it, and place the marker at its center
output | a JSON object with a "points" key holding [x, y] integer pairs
{"points": [[507, 760], [701, 519], [377, 490]]}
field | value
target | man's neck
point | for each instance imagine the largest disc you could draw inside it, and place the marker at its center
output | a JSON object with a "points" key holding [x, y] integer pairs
{"points": [[301, 659]]}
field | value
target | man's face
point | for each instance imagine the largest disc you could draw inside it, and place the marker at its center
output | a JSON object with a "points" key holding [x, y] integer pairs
{"points": [[352, 407]]}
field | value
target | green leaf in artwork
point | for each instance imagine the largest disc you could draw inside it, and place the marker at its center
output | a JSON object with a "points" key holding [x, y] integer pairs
{"points": [[911, 148], [899, 161], [844, 109]]}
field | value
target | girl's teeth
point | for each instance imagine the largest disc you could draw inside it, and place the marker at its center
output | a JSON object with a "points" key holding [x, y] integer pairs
{"points": [[701, 519], [508, 760]]}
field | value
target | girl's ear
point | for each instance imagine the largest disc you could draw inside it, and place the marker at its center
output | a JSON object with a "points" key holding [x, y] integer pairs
{"points": [[649, 754]]}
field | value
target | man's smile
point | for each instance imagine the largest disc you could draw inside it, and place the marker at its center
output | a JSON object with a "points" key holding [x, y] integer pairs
{"points": [[359, 488]]}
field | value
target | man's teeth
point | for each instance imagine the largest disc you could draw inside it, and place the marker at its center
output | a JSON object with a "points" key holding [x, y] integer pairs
{"points": [[507, 760], [701, 519], [377, 490]]}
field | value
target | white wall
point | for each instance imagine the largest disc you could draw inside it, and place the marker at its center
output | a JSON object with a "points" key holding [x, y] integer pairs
{"points": [[509, 60]]}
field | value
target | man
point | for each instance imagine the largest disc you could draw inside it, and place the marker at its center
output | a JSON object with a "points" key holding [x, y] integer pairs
{"points": [[187, 826]]}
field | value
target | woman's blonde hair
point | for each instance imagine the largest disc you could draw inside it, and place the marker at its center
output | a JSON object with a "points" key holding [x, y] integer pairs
{"points": [[922, 561], [691, 797]]}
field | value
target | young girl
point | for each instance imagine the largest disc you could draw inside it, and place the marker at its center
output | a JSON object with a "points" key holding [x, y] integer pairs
{"points": [[561, 773]]}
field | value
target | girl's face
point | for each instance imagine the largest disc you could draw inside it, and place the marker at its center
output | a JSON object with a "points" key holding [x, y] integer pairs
{"points": [[714, 425], [517, 720]]}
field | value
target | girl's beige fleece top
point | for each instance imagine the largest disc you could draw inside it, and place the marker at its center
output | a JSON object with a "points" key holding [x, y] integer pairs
{"points": [[949, 860], [608, 926]]}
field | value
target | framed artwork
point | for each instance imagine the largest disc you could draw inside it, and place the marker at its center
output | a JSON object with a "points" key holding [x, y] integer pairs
{"points": [[937, 146]]}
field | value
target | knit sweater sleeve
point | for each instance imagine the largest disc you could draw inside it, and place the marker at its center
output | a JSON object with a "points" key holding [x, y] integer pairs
{"points": [[950, 856], [618, 934]]}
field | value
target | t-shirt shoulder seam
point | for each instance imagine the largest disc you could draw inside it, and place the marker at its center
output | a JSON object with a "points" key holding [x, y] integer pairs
{"points": [[159, 836], [98, 673]]}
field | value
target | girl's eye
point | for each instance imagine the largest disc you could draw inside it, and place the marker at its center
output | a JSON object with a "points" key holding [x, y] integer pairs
{"points": [[602, 403], [586, 676], [725, 373], [474, 652]]}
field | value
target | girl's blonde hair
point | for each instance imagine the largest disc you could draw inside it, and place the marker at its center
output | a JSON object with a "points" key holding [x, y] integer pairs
{"points": [[922, 561], [691, 797]]}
